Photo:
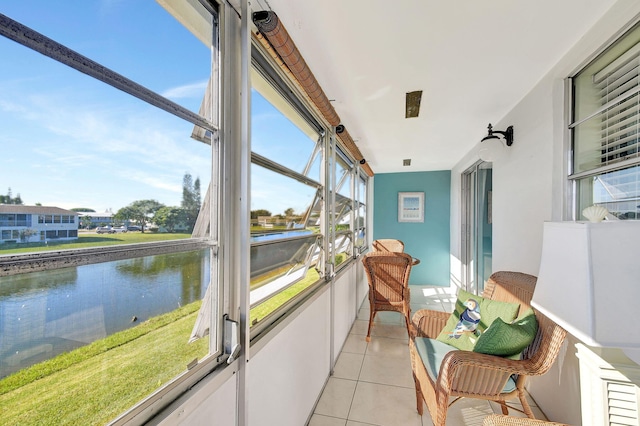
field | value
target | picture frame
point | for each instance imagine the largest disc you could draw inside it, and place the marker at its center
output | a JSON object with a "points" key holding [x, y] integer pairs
{"points": [[410, 206]]}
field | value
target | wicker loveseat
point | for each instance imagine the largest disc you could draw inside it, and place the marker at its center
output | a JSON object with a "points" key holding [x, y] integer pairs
{"points": [[475, 375]]}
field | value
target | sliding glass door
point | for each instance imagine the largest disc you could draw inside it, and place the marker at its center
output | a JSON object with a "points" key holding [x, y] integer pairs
{"points": [[476, 226]]}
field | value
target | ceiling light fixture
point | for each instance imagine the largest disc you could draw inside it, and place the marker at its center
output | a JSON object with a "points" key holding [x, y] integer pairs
{"points": [[412, 104], [492, 146]]}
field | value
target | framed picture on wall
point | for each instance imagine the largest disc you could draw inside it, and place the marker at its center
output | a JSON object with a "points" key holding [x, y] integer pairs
{"points": [[410, 206]]}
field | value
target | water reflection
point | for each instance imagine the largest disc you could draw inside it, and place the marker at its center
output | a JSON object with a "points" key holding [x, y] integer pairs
{"points": [[43, 314]]}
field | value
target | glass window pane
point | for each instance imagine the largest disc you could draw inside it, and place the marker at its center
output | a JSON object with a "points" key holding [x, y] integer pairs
{"points": [[591, 90], [138, 39], [114, 331], [282, 267], [102, 336], [606, 130], [285, 212], [609, 137], [361, 214], [282, 135], [85, 145], [618, 191], [279, 194]]}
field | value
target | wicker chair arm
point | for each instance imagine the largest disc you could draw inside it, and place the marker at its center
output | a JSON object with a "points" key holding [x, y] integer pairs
{"points": [[429, 323], [502, 420], [480, 374]]}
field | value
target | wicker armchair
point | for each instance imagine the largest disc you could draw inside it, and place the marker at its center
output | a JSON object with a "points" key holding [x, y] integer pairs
{"points": [[395, 246], [502, 420], [388, 276], [475, 375]]}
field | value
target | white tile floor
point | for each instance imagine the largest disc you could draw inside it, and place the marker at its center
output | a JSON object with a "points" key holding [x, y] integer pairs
{"points": [[372, 382]]}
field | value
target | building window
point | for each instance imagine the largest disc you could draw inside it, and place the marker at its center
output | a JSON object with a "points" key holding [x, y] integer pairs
{"points": [[107, 110], [605, 130]]}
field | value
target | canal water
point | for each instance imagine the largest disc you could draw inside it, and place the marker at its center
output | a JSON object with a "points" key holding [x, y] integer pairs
{"points": [[43, 314]]}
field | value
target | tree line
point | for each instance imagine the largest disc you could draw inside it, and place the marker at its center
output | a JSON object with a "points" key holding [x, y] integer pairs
{"points": [[10, 199], [263, 212], [172, 218]]}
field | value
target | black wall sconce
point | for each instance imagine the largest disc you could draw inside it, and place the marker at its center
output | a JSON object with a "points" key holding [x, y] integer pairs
{"points": [[493, 150], [507, 134]]}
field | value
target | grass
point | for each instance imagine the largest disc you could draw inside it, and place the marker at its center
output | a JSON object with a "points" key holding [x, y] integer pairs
{"points": [[90, 240], [261, 311], [96, 383], [258, 313]]}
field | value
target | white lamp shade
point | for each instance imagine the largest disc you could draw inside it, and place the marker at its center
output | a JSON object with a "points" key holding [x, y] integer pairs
{"points": [[589, 281], [492, 149]]}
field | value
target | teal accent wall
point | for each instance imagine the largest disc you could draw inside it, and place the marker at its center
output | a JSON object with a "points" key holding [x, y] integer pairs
{"points": [[428, 241]]}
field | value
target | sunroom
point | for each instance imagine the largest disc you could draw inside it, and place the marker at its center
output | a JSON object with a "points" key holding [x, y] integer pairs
{"points": [[290, 136]]}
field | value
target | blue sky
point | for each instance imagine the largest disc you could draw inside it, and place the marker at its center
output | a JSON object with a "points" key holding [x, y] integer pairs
{"points": [[71, 141]]}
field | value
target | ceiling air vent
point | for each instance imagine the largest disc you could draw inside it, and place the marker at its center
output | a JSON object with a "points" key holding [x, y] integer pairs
{"points": [[412, 106], [406, 162]]}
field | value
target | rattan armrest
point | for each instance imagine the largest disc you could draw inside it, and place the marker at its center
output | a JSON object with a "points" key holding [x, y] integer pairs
{"points": [[429, 323], [478, 364], [475, 373], [502, 420], [472, 373]]}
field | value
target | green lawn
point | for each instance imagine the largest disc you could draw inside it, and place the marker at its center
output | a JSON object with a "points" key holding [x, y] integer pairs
{"points": [[90, 240], [94, 384]]}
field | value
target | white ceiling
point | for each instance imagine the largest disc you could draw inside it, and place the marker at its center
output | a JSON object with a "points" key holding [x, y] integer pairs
{"points": [[474, 60]]}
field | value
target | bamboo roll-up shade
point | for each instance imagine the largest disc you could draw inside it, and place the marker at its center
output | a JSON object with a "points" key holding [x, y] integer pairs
{"points": [[350, 145], [269, 25], [367, 169], [282, 48]]}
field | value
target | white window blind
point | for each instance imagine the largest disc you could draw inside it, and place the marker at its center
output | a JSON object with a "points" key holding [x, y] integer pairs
{"points": [[618, 85], [606, 130]]}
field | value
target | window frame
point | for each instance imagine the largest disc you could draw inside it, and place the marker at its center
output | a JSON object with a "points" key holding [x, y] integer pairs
{"points": [[331, 151], [264, 66], [147, 407], [573, 177]]}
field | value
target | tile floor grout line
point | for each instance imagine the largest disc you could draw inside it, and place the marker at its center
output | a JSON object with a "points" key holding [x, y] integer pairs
{"points": [[357, 382]]}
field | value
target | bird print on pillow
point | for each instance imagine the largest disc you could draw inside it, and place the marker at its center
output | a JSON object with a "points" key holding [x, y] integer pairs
{"points": [[469, 319]]}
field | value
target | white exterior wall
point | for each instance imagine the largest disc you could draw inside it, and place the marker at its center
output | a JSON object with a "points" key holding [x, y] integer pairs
{"points": [[530, 186]]}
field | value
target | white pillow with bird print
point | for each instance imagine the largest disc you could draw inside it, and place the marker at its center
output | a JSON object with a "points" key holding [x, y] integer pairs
{"points": [[471, 317]]}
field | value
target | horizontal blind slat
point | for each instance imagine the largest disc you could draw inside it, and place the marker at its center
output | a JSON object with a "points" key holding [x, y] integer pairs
{"points": [[626, 73], [623, 136], [621, 119], [626, 57], [609, 105], [613, 91]]}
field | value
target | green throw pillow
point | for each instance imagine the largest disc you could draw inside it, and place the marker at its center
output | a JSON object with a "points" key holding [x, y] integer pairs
{"points": [[508, 340], [471, 317]]}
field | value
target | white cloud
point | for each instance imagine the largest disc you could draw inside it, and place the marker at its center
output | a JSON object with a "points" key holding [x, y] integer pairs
{"points": [[186, 91], [96, 152]]}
